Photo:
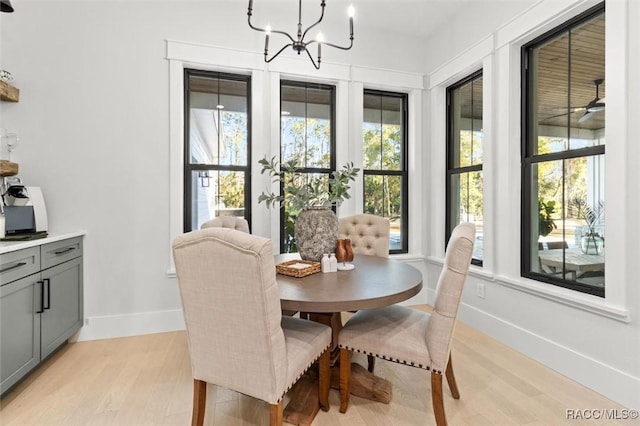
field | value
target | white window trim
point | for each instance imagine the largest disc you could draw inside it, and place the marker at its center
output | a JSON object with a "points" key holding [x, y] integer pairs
{"points": [[499, 56], [265, 103]]}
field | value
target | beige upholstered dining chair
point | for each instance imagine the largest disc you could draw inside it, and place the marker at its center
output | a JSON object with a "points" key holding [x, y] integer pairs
{"points": [[222, 274], [369, 234], [233, 222], [239, 224], [415, 338]]}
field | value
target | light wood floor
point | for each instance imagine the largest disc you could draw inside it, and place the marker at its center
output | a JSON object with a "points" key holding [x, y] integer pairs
{"points": [[146, 380]]}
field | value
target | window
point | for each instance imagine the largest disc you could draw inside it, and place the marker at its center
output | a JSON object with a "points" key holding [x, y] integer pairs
{"points": [[307, 135], [563, 155], [217, 154], [464, 158], [384, 136]]}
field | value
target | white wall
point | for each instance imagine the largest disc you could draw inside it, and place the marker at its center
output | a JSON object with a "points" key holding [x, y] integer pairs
{"points": [[94, 122], [593, 340]]}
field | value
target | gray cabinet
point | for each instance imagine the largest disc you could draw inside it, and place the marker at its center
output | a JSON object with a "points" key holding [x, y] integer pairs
{"points": [[19, 329], [40, 305]]}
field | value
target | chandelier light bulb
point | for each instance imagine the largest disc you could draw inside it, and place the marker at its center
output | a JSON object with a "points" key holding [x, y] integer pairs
{"points": [[351, 11]]}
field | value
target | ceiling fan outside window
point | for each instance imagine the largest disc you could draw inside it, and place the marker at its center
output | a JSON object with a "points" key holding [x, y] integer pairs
{"points": [[594, 106]]}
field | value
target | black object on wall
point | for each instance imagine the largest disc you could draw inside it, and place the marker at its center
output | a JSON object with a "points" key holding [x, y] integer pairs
{"points": [[5, 6]]}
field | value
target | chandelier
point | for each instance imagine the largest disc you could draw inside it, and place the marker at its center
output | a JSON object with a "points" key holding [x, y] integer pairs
{"points": [[299, 44]]}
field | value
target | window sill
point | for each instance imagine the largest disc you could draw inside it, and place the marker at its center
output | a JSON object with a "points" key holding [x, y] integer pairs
{"points": [[581, 301], [592, 304], [406, 257], [171, 272]]}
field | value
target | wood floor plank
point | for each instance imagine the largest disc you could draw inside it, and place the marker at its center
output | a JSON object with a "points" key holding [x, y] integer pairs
{"points": [[146, 380]]}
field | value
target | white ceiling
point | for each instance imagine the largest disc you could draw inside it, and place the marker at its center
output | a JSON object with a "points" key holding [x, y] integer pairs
{"points": [[419, 18]]}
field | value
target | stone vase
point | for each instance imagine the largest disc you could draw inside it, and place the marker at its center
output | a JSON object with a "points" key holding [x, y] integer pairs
{"points": [[316, 232]]}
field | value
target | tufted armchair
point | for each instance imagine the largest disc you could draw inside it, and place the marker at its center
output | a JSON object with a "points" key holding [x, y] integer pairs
{"points": [[369, 234], [222, 275], [411, 337], [232, 222]]}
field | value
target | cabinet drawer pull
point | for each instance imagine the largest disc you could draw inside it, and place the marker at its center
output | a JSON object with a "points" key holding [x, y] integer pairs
{"points": [[17, 265], [41, 297], [48, 282], [67, 250]]}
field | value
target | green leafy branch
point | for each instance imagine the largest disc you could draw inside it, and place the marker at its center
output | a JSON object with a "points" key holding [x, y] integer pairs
{"points": [[301, 190]]}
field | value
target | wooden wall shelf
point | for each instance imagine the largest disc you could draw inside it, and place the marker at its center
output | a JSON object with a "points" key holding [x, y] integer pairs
{"points": [[8, 92], [7, 168]]}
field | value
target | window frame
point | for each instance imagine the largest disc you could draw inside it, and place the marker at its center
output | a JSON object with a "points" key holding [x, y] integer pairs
{"points": [[403, 172], [529, 159], [188, 168], [451, 169], [332, 144]]}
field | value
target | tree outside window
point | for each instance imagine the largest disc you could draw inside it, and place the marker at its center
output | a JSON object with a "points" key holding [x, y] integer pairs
{"points": [[384, 136], [307, 140]]}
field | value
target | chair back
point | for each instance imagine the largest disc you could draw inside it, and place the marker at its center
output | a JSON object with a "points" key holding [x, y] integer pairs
{"points": [[232, 222], [222, 275], [551, 245], [448, 293], [369, 234]]}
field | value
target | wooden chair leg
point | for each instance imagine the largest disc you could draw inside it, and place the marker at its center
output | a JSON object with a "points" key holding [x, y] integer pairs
{"points": [[276, 414], [436, 398], [372, 363], [324, 380], [199, 402], [451, 379], [345, 378]]}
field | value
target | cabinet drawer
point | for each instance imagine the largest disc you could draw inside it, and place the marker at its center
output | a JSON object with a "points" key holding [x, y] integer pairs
{"points": [[55, 253], [18, 264]]}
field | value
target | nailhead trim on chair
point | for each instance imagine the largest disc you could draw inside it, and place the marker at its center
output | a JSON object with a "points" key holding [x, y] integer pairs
{"points": [[302, 373], [398, 361]]}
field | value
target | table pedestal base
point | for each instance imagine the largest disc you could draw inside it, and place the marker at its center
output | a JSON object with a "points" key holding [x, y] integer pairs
{"points": [[304, 406], [364, 384]]}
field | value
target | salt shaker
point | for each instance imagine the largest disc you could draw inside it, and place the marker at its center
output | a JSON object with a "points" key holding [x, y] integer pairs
{"points": [[325, 263], [334, 262]]}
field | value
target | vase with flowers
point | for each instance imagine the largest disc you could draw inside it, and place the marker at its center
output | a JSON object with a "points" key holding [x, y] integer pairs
{"points": [[307, 200], [591, 242]]}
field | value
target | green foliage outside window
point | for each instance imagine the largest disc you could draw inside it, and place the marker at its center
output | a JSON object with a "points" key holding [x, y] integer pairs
{"points": [[382, 151]]}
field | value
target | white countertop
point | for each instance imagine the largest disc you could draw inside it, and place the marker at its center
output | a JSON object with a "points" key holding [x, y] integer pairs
{"points": [[9, 246]]}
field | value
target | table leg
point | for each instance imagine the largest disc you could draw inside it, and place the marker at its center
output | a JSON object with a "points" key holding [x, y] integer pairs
{"points": [[304, 404]]}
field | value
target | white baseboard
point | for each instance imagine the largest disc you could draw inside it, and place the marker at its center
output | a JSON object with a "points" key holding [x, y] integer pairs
{"points": [[610, 382], [107, 327]]}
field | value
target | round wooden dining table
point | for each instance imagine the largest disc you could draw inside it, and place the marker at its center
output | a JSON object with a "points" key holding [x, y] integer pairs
{"points": [[374, 282]]}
